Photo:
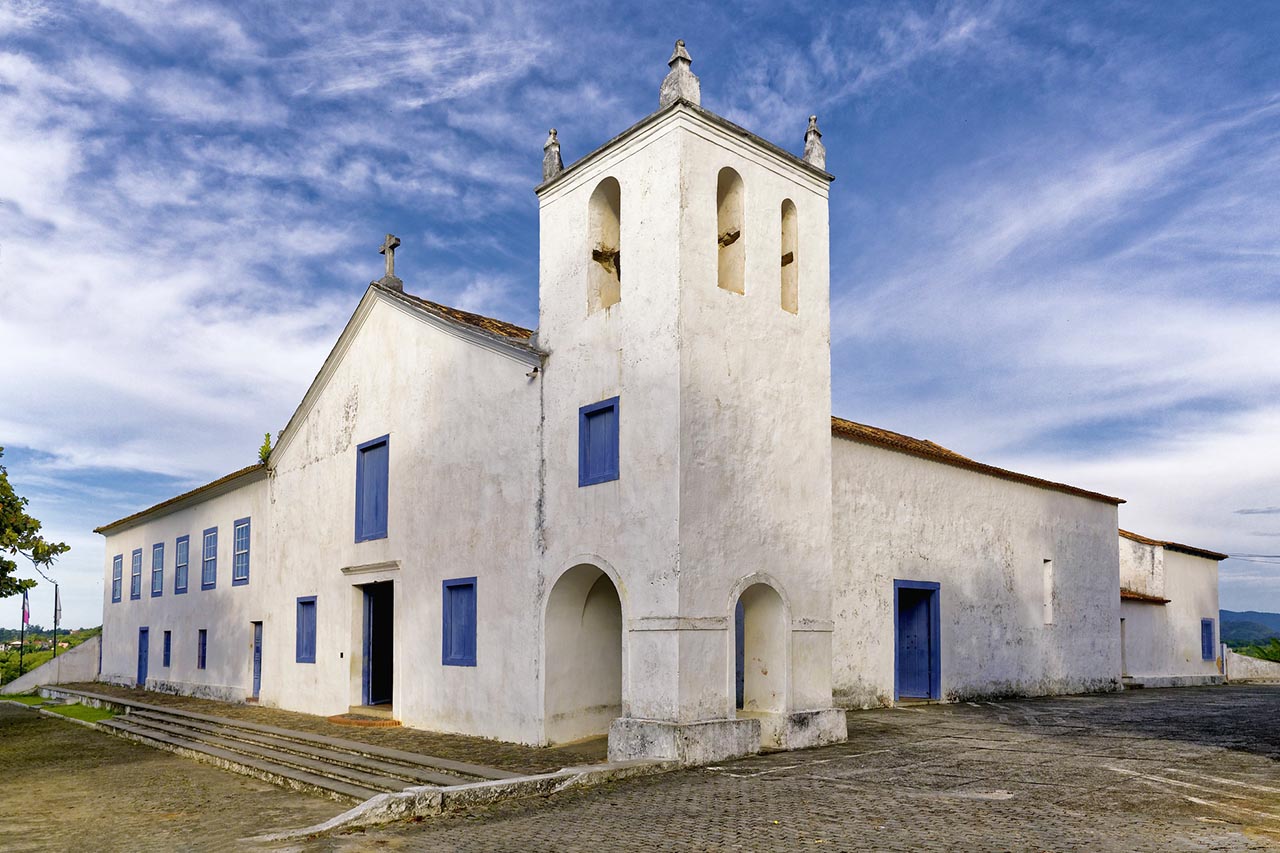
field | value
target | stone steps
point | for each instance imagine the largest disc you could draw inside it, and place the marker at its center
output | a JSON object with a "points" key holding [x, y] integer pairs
{"points": [[345, 770], [404, 774], [288, 777]]}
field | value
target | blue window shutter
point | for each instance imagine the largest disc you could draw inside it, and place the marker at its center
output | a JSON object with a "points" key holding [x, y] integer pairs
{"points": [[181, 561], [157, 569], [240, 552], [306, 640], [209, 559], [167, 642], [459, 629], [135, 575], [202, 648], [598, 442], [372, 480], [1206, 639]]}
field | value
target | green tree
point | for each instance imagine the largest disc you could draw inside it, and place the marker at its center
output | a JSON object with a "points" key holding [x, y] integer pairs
{"points": [[20, 535]]}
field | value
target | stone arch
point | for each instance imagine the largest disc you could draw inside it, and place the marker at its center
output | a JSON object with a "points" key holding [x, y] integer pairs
{"points": [[731, 249], [790, 261], [604, 215], [583, 660], [760, 647]]}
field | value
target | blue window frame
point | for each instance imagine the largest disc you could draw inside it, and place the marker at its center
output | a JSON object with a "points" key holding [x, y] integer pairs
{"points": [[459, 646], [181, 561], [157, 570], [306, 643], [135, 575], [1206, 640], [209, 559], [202, 648], [240, 552], [117, 576], [168, 644], [372, 468], [598, 442]]}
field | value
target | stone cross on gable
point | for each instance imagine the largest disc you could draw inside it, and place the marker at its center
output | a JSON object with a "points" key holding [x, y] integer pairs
{"points": [[388, 248]]}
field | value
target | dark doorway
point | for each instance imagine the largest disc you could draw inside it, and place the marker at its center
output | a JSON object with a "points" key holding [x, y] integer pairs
{"points": [[917, 670], [379, 642], [739, 654], [257, 659]]}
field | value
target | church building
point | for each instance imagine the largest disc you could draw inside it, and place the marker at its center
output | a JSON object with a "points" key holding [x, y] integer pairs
{"points": [[639, 520]]}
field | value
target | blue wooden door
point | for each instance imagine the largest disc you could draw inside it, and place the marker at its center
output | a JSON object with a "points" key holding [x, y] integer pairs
{"points": [[739, 653], [914, 646], [257, 658], [143, 649]]}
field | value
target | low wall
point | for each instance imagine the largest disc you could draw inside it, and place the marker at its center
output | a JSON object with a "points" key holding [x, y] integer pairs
{"points": [[78, 664], [1244, 668]]}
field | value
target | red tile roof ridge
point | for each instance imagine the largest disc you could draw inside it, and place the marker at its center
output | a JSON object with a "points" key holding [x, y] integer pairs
{"points": [[924, 449]]}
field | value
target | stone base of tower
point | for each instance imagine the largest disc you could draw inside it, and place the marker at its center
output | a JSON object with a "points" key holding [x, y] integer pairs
{"points": [[706, 742], [691, 744], [803, 729]]}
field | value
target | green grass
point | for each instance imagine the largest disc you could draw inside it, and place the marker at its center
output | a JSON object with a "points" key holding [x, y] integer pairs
{"points": [[27, 700], [83, 712]]}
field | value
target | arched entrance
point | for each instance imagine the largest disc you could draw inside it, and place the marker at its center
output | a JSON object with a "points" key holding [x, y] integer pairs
{"points": [[583, 692], [760, 652]]}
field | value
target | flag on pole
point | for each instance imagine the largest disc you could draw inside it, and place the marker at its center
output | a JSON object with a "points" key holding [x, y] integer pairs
{"points": [[26, 609], [57, 606]]}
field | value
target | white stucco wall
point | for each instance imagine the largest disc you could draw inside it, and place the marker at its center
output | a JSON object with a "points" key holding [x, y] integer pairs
{"points": [[1163, 640], [225, 611], [984, 540], [78, 664]]}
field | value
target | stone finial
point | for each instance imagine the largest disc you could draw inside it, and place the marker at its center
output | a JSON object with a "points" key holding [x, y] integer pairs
{"points": [[552, 165], [815, 153], [680, 82], [388, 248]]}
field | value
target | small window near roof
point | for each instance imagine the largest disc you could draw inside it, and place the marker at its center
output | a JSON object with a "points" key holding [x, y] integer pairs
{"points": [[372, 470], [209, 559], [604, 211], [240, 553], [459, 645], [135, 575], [181, 560], [117, 576], [790, 261], [157, 570], [730, 249], [598, 442]]}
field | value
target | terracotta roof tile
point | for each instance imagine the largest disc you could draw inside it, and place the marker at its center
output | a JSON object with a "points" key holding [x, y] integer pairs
{"points": [[1174, 546], [936, 452], [166, 504], [479, 321], [1131, 595]]}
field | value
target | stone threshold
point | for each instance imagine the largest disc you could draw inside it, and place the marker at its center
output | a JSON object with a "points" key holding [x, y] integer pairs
{"points": [[431, 801]]}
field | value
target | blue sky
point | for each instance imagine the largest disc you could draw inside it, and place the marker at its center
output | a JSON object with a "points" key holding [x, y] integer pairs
{"points": [[1055, 239]]}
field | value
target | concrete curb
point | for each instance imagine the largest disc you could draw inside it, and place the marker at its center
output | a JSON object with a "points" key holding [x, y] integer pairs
{"points": [[429, 801]]}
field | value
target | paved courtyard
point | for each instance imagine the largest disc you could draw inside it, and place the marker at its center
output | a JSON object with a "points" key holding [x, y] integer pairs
{"points": [[1191, 769]]}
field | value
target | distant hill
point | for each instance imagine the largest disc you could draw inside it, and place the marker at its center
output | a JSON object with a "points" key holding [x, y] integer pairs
{"points": [[1248, 627]]}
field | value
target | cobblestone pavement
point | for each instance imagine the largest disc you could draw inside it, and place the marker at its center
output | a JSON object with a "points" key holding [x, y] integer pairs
{"points": [[67, 787], [474, 750], [1187, 769]]}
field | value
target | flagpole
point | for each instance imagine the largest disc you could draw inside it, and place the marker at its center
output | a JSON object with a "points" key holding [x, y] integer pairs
{"points": [[57, 605], [22, 634]]}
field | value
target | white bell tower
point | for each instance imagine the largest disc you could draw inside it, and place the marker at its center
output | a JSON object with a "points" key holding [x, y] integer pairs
{"points": [[684, 282]]}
